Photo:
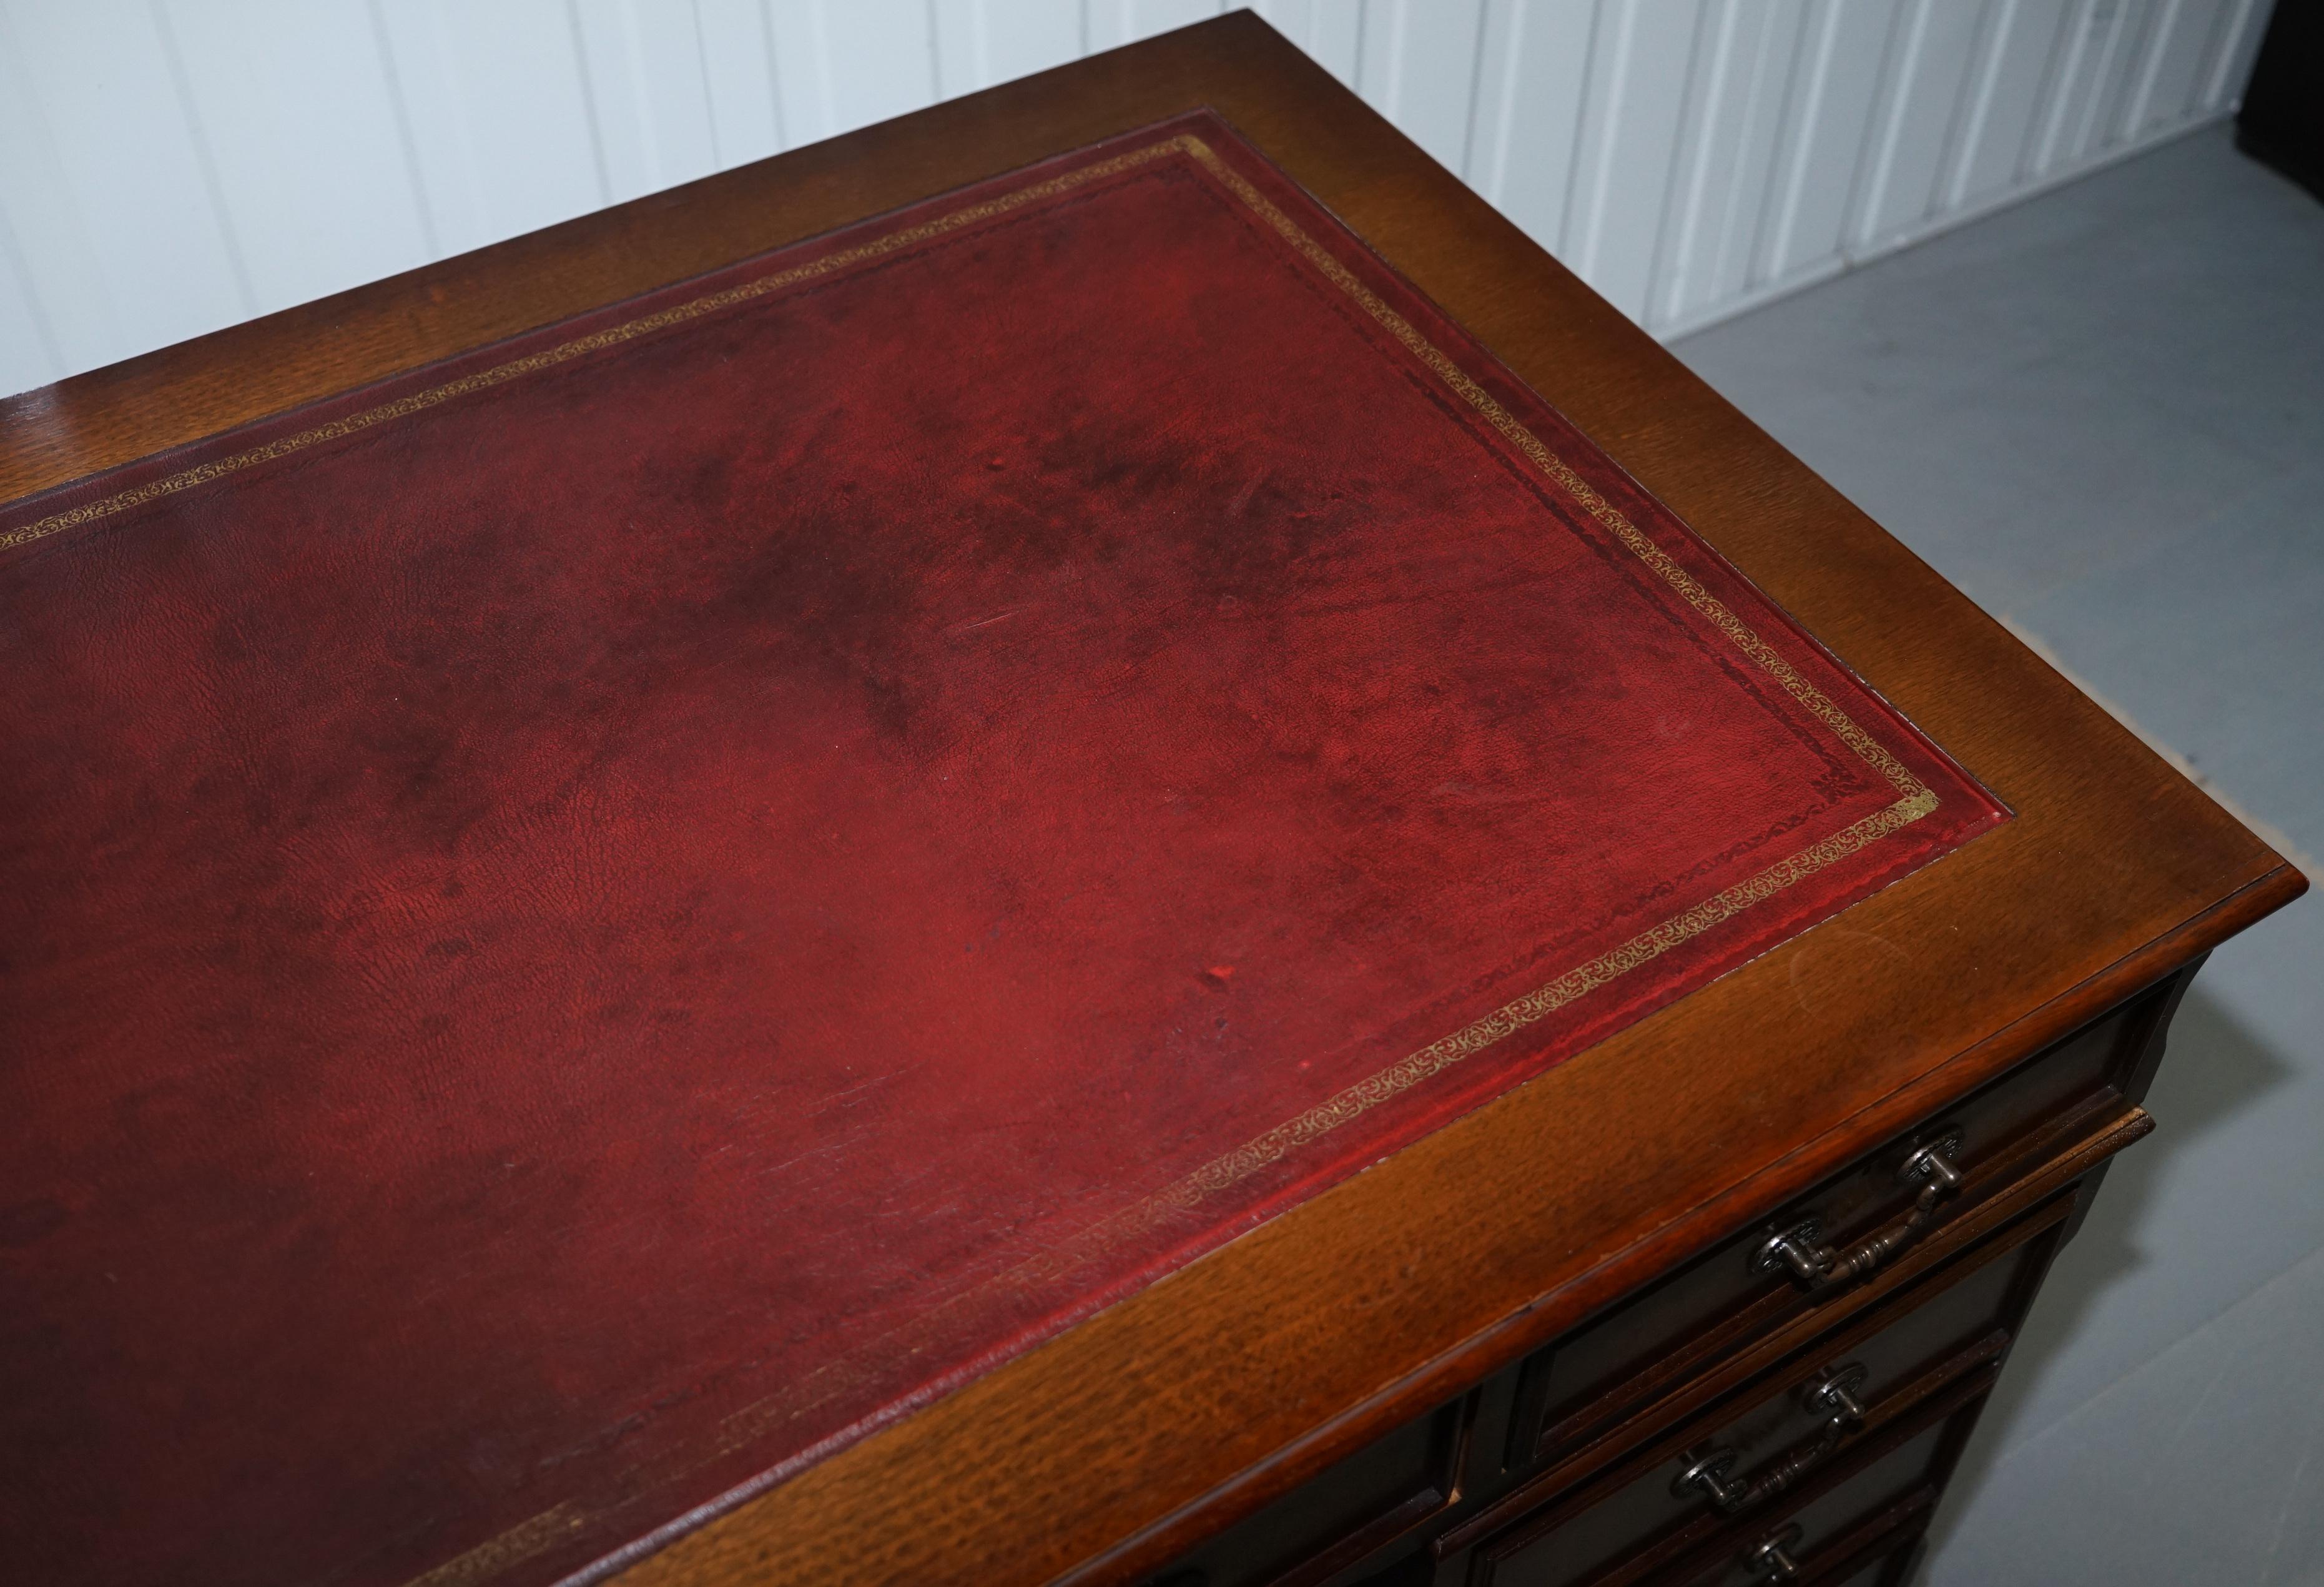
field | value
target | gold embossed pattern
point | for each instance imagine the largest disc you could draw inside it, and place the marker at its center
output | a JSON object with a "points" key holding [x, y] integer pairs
{"points": [[1914, 800]]}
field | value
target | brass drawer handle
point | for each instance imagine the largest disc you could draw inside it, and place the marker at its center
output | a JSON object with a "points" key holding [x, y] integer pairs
{"points": [[1711, 1472], [1800, 1249], [1772, 1558]]}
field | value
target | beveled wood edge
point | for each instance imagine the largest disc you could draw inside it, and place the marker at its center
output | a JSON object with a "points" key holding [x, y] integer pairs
{"points": [[1569, 1302]]}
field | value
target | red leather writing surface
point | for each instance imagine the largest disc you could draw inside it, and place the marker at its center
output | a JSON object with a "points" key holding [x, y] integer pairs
{"points": [[587, 924]]}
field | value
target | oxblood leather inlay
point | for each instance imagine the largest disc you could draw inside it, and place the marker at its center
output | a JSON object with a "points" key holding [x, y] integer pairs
{"points": [[587, 924]]}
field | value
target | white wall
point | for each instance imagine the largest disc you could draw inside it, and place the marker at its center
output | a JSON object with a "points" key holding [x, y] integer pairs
{"points": [[170, 166]]}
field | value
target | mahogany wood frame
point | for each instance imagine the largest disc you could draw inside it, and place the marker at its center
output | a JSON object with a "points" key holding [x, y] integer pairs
{"points": [[1118, 1445]]}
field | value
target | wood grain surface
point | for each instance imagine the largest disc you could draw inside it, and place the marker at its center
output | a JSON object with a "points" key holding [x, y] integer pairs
{"points": [[1117, 1445]]}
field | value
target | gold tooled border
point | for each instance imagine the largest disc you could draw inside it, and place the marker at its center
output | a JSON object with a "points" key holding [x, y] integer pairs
{"points": [[1915, 800], [628, 330]]}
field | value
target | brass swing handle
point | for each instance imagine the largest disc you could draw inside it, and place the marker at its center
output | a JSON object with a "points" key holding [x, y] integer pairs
{"points": [[1821, 1267], [1711, 1472]]}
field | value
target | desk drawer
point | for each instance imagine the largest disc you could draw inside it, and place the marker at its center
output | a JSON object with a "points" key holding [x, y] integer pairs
{"points": [[1733, 1296], [1341, 1515], [1851, 1522], [1855, 1529], [1780, 1437]]}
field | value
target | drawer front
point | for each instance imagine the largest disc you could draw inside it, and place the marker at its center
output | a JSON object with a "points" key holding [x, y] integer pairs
{"points": [[1888, 1563], [1724, 1301], [1342, 1514], [1855, 1518], [1854, 1529], [1770, 1443]]}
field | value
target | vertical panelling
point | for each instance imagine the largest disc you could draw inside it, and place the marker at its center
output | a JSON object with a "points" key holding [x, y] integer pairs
{"points": [[2073, 92], [1329, 31], [1979, 87], [1536, 55], [524, 106], [1727, 161], [2166, 33], [2046, 145], [738, 79], [1703, 165], [1773, 59], [498, 107], [981, 42], [1110, 22], [1419, 70], [643, 65], [121, 160], [2239, 44], [2100, 59], [28, 356], [1931, 96], [2021, 52], [1635, 104], [57, 285], [428, 122], [2173, 90], [2126, 65], [294, 107], [1844, 54], [170, 165], [841, 64]]}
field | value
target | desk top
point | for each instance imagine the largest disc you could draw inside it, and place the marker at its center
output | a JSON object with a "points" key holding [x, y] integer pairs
{"points": [[600, 919], [766, 850]]}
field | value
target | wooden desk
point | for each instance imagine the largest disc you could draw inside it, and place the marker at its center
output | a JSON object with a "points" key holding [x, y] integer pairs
{"points": [[1496, 1354]]}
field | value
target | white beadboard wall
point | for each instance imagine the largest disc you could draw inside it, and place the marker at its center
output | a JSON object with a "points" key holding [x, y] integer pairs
{"points": [[170, 166]]}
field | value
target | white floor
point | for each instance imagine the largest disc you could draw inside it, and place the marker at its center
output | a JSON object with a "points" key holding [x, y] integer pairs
{"points": [[2102, 414]]}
